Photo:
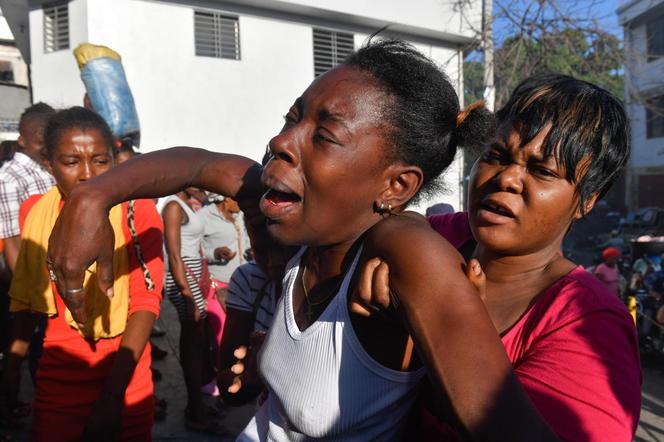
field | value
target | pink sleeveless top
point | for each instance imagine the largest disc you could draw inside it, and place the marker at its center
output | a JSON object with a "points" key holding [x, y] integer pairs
{"points": [[575, 352]]}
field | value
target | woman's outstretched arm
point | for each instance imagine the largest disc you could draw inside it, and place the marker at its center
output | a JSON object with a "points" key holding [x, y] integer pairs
{"points": [[83, 234], [454, 334]]}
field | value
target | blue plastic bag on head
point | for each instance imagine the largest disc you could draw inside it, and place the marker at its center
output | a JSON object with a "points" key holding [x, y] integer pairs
{"points": [[107, 87]]}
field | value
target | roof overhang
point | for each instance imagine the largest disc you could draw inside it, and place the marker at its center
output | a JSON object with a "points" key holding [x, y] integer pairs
{"points": [[334, 19], [17, 13], [634, 11]]}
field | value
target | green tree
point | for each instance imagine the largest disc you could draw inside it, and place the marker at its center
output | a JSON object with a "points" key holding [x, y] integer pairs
{"points": [[473, 77], [595, 57]]}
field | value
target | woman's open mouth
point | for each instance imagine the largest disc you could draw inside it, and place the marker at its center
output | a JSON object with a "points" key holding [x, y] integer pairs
{"points": [[490, 212], [276, 203]]}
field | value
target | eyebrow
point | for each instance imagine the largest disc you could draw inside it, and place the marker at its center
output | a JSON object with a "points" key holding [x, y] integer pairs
{"points": [[299, 104], [327, 115], [501, 144]]}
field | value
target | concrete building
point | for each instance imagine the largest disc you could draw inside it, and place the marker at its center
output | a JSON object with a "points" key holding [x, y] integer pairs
{"points": [[221, 74], [643, 23], [14, 93]]}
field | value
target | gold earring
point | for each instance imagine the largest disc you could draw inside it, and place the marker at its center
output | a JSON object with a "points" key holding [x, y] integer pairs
{"points": [[389, 208], [382, 206]]}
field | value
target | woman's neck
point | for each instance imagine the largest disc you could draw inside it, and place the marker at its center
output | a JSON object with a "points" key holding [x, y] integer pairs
{"points": [[325, 262], [500, 268], [514, 282], [184, 197]]}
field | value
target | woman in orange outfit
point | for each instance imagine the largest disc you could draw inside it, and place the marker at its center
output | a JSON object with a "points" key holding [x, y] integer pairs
{"points": [[93, 379]]}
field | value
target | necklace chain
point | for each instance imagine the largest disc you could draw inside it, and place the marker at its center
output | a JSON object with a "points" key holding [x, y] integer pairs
{"points": [[310, 304]]}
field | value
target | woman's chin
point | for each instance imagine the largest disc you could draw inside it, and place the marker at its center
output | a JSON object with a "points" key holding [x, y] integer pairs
{"points": [[283, 234]]}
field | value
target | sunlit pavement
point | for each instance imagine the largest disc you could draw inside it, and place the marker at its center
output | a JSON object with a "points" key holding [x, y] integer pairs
{"points": [[651, 426]]}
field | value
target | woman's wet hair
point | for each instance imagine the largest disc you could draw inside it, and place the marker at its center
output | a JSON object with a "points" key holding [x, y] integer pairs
{"points": [[588, 129], [422, 109], [75, 118]]}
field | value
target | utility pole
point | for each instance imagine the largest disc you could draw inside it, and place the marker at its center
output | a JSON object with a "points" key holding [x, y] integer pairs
{"points": [[487, 44]]}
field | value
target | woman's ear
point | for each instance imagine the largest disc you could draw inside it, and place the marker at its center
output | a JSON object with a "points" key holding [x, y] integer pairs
{"points": [[403, 184], [49, 166], [587, 206]]}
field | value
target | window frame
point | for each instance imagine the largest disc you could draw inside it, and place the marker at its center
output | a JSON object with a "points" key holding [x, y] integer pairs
{"points": [[54, 18], [655, 38], [655, 120], [326, 59], [216, 40]]}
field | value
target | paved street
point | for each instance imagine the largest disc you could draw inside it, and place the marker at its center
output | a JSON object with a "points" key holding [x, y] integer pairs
{"points": [[171, 387], [651, 426]]}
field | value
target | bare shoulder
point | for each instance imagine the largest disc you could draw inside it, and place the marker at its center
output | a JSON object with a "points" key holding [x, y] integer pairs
{"points": [[173, 213], [409, 237]]}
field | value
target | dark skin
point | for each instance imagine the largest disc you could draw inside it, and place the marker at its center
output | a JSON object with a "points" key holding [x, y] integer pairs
{"points": [[191, 335], [333, 134], [237, 385], [78, 157], [543, 203], [31, 143], [521, 206]]}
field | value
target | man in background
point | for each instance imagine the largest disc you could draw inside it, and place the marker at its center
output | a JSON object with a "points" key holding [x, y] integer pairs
{"points": [[23, 175]]}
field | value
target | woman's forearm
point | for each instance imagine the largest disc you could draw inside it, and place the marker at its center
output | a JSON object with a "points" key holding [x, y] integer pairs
{"points": [[167, 171], [455, 336], [83, 233], [23, 326], [179, 273], [131, 349], [466, 360]]}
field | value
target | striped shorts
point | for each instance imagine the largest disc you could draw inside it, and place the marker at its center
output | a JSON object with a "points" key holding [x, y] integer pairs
{"points": [[176, 297]]}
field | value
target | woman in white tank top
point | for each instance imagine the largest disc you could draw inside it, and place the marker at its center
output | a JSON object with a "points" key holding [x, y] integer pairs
{"points": [[183, 233], [357, 146]]}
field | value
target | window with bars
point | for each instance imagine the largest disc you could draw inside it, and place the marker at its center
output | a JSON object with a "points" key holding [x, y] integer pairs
{"points": [[216, 35], [655, 117], [6, 71], [655, 36], [56, 26], [330, 49]]}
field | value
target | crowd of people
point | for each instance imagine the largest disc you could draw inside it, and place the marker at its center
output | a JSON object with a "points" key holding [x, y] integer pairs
{"points": [[306, 287], [106, 360]]}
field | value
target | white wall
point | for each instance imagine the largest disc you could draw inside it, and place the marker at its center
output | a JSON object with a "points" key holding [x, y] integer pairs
{"points": [[5, 32], [643, 79], [645, 152], [438, 15], [223, 105], [55, 76]]}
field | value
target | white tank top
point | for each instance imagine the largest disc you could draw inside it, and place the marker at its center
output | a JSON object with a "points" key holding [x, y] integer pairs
{"points": [[322, 383], [191, 232]]}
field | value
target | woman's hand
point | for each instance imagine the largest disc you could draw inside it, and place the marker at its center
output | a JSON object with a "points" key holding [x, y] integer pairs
{"points": [[245, 370], [372, 296], [192, 313], [104, 422], [81, 236], [224, 253]]}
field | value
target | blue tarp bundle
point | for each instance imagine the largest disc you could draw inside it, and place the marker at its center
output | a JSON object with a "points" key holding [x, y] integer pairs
{"points": [[109, 92]]}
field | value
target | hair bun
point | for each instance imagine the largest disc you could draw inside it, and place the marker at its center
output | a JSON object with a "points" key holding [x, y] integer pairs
{"points": [[475, 126]]}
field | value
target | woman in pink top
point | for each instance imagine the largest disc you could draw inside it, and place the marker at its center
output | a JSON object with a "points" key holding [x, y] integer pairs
{"points": [[608, 271], [553, 355]]}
